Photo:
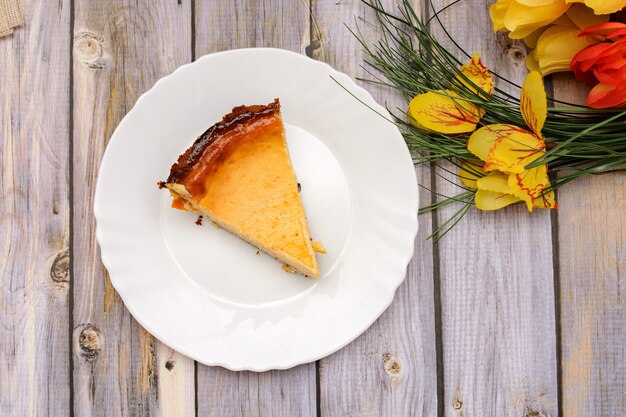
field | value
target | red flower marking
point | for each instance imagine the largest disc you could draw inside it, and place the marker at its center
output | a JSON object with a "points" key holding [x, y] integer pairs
{"points": [[526, 108], [523, 152], [535, 192], [444, 115]]}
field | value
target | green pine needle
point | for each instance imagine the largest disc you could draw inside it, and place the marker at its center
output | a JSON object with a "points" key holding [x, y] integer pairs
{"points": [[408, 59]]}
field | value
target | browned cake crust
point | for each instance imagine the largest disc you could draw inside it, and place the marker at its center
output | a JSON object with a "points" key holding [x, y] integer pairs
{"points": [[245, 128], [240, 115]]}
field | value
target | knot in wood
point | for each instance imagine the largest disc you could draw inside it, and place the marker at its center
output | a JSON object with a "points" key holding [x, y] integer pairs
{"points": [[313, 49], [517, 55], [457, 405], [393, 366], [169, 365], [513, 48], [90, 342], [60, 270], [88, 50]]}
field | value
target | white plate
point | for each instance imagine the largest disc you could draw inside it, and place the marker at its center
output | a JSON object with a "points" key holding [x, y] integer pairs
{"points": [[206, 293]]}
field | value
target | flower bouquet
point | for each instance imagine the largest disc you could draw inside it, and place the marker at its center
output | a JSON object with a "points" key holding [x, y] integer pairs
{"points": [[498, 148]]}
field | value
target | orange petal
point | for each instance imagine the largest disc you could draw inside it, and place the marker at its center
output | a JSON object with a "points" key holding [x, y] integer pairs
{"points": [[533, 102], [585, 60], [529, 186], [478, 74], [489, 200], [495, 181], [440, 111], [612, 73], [617, 34], [470, 172], [602, 29], [603, 96], [504, 147]]}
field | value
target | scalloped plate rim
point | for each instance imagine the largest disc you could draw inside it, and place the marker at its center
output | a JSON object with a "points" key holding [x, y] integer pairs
{"points": [[234, 366]]}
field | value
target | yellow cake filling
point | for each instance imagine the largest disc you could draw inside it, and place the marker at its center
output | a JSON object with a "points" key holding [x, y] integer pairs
{"points": [[238, 174], [254, 189]]}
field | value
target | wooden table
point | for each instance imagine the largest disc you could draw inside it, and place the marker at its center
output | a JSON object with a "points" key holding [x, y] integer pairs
{"points": [[511, 314]]}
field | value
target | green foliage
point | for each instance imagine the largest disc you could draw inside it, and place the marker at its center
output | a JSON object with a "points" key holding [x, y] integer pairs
{"points": [[580, 140]]}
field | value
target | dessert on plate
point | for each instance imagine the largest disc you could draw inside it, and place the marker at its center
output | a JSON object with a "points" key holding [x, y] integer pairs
{"points": [[238, 173]]}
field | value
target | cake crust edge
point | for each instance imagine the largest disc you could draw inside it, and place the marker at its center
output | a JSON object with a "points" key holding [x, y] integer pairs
{"points": [[238, 116]]}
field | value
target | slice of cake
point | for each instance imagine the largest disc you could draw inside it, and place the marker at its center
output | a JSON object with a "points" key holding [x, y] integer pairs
{"points": [[239, 175]]}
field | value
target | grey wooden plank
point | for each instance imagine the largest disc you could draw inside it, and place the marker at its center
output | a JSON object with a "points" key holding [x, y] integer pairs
{"points": [[497, 287], [224, 25], [120, 50], [391, 369], [34, 214], [592, 264]]}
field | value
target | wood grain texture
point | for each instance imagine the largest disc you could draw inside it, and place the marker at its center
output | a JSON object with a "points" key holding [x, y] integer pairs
{"points": [[495, 284], [224, 25], [120, 49], [592, 254], [496, 272], [390, 370], [34, 214], [231, 24]]}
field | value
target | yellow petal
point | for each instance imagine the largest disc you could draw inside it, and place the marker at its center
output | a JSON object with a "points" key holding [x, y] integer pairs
{"points": [[470, 172], [513, 153], [440, 111], [489, 200], [504, 147], [583, 16], [531, 61], [533, 102], [529, 186], [602, 6], [546, 200], [535, 3], [478, 74], [557, 46], [564, 20], [522, 19], [497, 11], [495, 181], [531, 40]]}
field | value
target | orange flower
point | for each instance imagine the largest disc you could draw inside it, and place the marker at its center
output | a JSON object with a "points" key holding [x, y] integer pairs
{"points": [[604, 65]]}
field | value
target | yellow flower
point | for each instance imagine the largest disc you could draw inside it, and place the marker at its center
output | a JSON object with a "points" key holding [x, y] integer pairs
{"points": [[552, 27], [523, 17], [602, 6], [556, 46], [443, 111], [505, 150], [492, 189]]}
